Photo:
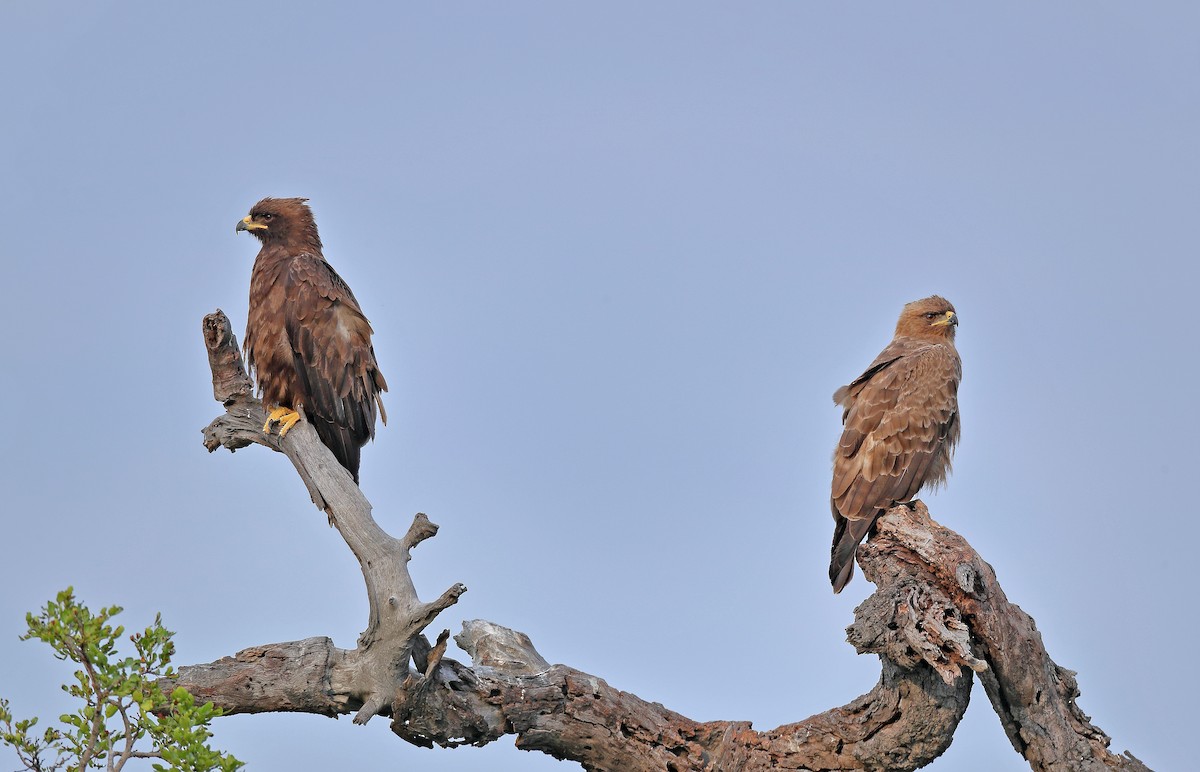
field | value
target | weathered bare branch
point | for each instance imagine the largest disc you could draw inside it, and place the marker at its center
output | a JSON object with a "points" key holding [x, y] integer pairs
{"points": [[936, 617], [905, 722], [1033, 696], [370, 674]]}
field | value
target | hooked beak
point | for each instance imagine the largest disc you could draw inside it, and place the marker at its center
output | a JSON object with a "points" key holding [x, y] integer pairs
{"points": [[246, 224], [949, 320]]}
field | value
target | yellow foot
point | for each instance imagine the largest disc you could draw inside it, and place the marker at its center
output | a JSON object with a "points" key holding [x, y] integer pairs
{"points": [[285, 417]]}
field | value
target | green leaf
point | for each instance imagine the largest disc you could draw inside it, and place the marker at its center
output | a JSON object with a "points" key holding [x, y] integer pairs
{"points": [[106, 681]]}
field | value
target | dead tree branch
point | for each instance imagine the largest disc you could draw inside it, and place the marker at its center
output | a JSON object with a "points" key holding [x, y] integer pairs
{"points": [[368, 676], [1033, 696], [937, 616]]}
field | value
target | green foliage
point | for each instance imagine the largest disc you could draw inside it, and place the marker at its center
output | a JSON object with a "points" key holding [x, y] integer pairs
{"points": [[122, 702]]}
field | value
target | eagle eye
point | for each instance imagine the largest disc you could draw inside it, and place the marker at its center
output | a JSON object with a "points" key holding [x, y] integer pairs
{"points": [[266, 215], [932, 315]]}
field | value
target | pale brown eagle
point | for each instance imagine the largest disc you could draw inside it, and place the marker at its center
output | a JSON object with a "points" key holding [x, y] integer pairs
{"points": [[307, 341], [900, 426]]}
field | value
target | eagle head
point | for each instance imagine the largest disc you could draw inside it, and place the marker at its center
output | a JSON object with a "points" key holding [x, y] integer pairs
{"points": [[281, 220], [931, 317]]}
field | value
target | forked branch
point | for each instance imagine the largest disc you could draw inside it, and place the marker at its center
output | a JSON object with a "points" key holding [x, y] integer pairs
{"points": [[368, 676]]}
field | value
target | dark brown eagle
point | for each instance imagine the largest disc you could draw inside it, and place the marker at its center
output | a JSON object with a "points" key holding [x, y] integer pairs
{"points": [[307, 341], [900, 421]]}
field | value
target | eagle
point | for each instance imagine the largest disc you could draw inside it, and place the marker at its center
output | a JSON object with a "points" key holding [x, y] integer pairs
{"points": [[308, 343], [900, 425]]}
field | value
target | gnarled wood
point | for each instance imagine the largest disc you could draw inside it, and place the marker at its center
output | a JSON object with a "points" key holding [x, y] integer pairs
{"points": [[1033, 696], [369, 675], [905, 722], [937, 616]]}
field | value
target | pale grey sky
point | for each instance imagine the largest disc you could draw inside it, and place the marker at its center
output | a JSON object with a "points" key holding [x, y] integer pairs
{"points": [[618, 258]]}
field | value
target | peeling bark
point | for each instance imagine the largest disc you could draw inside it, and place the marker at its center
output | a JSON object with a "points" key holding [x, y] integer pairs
{"points": [[937, 616]]}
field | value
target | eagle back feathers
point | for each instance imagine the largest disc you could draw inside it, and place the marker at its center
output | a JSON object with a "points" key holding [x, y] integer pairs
{"points": [[309, 344], [900, 425]]}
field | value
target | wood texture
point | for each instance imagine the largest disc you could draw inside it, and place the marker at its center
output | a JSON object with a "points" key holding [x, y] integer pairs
{"points": [[937, 617]]}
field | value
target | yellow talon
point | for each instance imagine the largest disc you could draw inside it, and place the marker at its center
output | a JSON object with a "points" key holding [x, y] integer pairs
{"points": [[285, 417]]}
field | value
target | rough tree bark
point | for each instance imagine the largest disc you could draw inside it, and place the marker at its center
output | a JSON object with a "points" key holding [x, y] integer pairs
{"points": [[937, 617]]}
